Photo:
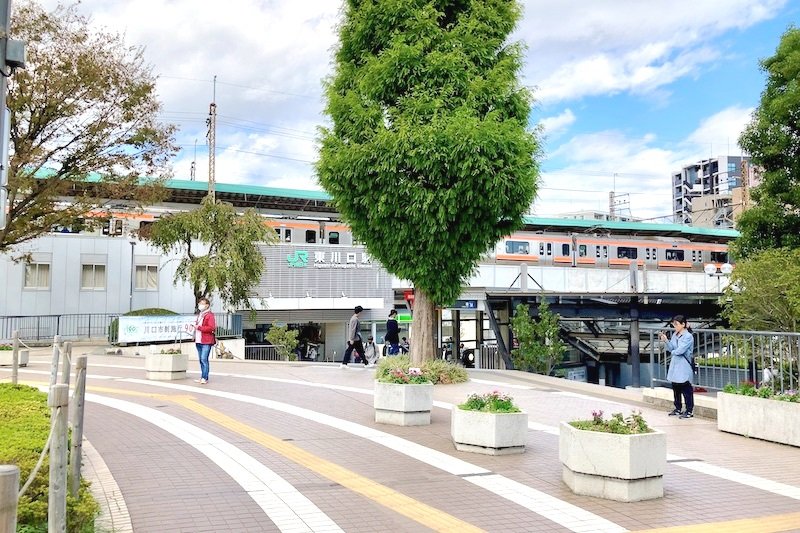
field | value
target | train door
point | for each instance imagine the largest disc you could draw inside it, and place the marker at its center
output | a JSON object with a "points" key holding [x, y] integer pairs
{"points": [[546, 253], [284, 234], [601, 255]]}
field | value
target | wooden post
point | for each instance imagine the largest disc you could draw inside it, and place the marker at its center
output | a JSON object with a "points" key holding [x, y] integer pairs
{"points": [[66, 363], [78, 399], [9, 487], [15, 358], [54, 362], [58, 401]]}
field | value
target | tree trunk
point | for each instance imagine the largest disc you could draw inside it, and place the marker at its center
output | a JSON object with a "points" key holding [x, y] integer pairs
{"points": [[423, 345]]}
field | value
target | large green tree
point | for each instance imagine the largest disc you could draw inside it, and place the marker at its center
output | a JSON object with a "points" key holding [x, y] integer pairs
{"points": [[429, 158], [773, 141], [764, 293], [84, 124], [540, 347], [219, 249]]}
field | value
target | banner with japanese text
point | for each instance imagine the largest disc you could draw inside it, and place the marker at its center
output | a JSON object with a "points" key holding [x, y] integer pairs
{"points": [[143, 329]]}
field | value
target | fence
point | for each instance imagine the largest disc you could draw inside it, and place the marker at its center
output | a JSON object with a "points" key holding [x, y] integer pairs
{"points": [[262, 352], [729, 356], [89, 326], [489, 358]]}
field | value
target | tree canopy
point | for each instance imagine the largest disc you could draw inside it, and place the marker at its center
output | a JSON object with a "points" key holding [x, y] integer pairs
{"points": [[232, 263], [429, 157], [772, 139], [764, 294], [84, 124]]}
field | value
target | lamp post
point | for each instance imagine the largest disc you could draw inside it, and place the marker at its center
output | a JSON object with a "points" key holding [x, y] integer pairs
{"points": [[133, 275], [724, 270]]}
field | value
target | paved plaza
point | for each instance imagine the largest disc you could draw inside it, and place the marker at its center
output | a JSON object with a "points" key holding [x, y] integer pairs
{"points": [[294, 447]]}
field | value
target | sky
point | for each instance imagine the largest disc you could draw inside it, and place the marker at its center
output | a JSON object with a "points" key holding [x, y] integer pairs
{"points": [[627, 91]]}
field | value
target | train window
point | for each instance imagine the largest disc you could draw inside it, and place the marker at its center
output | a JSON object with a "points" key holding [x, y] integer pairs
{"points": [[719, 257], [333, 237], [674, 255], [278, 231], [694, 255], [311, 236], [582, 251], [549, 248], [565, 249], [517, 247], [541, 248], [647, 253], [287, 235], [625, 252]]}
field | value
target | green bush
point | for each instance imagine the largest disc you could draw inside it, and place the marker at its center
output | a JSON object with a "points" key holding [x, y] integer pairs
{"points": [[24, 427], [634, 424], [491, 402], [436, 371], [748, 388], [113, 328]]}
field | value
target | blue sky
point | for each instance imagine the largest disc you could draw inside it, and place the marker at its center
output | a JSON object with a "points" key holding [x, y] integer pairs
{"points": [[628, 90]]}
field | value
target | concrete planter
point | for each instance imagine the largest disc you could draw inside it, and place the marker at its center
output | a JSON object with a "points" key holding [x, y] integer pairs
{"points": [[760, 418], [488, 433], [403, 405], [165, 367], [7, 357], [625, 468]]}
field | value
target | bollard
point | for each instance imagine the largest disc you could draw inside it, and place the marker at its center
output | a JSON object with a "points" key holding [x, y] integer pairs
{"points": [[15, 358], [78, 398], [58, 401], [9, 486]]}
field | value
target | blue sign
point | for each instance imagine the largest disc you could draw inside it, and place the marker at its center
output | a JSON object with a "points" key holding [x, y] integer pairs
{"points": [[466, 304]]}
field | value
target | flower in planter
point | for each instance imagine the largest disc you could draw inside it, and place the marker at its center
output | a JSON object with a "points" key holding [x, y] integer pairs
{"points": [[491, 402], [748, 388], [171, 351], [632, 425], [412, 376]]}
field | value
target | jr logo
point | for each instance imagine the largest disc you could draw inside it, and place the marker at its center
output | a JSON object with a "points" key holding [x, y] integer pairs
{"points": [[298, 260]]}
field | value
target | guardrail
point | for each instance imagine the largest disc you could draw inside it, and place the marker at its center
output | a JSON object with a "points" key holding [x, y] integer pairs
{"points": [[766, 358], [262, 352], [88, 326]]}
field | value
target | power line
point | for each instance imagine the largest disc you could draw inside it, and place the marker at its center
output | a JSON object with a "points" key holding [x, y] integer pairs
{"points": [[202, 80]]}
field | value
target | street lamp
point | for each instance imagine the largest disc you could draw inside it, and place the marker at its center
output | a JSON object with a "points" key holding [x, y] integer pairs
{"points": [[724, 270], [133, 275]]}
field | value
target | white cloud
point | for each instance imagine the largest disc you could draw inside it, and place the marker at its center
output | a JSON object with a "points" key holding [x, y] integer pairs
{"points": [[552, 126]]}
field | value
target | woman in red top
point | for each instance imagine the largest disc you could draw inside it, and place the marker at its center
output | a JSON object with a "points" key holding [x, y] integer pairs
{"points": [[204, 338]]}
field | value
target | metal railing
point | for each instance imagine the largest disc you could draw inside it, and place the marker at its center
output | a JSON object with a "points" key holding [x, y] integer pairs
{"points": [[262, 352], [88, 326], [489, 358], [766, 358]]}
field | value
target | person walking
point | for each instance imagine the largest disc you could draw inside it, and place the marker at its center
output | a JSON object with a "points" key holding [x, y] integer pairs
{"points": [[204, 338], [681, 370], [354, 339], [371, 351], [393, 333]]}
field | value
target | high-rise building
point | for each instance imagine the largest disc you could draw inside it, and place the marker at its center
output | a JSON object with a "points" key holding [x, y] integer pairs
{"points": [[703, 193]]}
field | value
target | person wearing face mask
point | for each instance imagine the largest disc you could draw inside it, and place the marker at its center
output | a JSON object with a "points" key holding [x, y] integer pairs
{"points": [[204, 338]]}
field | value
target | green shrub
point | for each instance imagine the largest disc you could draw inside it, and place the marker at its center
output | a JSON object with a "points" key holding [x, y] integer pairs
{"points": [[113, 327], [748, 388], [634, 424], [436, 371], [491, 402], [24, 426]]}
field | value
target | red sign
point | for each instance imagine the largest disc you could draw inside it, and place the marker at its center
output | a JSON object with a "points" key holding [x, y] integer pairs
{"points": [[408, 295]]}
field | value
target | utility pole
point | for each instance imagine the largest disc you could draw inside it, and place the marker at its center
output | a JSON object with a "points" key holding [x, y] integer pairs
{"points": [[193, 168], [611, 205], [12, 55], [212, 141]]}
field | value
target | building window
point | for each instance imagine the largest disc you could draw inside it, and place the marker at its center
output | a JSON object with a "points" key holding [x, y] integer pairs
{"points": [[147, 277], [333, 237], [37, 276], [674, 255], [93, 277], [311, 236], [517, 247], [625, 252]]}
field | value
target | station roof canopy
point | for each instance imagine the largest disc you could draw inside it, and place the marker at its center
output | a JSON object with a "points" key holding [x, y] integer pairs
{"points": [[575, 225]]}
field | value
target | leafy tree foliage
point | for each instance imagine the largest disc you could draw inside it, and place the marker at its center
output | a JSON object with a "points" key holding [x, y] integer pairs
{"points": [[231, 263], [540, 347], [83, 124], [773, 141], [429, 158], [285, 341], [764, 294]]}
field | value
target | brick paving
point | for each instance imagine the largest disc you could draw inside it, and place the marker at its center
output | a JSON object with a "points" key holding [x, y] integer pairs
{"points": [[169, 486]]}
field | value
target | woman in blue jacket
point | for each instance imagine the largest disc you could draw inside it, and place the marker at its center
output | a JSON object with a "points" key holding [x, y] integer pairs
{"points": [[680, 372]]}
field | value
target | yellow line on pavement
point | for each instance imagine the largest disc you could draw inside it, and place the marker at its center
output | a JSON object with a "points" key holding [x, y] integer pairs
{"points": [[391, 499], [762, 524], [111, 390]]}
